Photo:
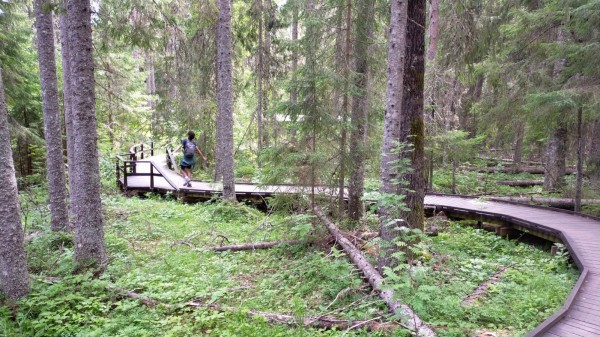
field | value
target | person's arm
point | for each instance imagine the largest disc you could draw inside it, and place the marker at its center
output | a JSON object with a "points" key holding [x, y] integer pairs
{"points": [[177, 149], [200, 152]]}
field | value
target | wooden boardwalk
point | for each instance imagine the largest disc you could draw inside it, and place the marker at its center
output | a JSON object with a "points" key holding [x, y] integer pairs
{"points": [[580, 314]]}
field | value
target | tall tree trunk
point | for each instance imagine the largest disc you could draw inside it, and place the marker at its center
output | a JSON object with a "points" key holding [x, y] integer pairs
{"points": [[14, 277], [412, 129], [268, 132], [554, 165], [225, 99], [391, 127], [293, 91], [593, 162], [259, 75], [67, 104], [434, 27], [518, 151], [28, 154], [344, 110], [85, 188], [52, 128], [360, 107], [580, 150]]}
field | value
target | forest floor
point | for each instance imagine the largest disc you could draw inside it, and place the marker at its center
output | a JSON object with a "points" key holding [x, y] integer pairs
{"points": [[156, 249]]}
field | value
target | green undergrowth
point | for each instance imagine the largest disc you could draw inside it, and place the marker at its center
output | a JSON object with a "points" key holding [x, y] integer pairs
{"points": [[156, 249], [452, 265]]}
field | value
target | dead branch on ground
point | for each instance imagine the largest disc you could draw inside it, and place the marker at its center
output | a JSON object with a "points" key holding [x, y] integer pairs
{"points": [[376, 281]]}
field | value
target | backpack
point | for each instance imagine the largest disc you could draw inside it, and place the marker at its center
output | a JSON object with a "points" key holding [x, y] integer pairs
{"points": [[188, 149]]}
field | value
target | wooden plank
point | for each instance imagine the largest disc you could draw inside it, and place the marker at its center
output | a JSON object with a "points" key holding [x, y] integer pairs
{"points": [[594, 328], [592, 319], [568, 331], [586, 310]]}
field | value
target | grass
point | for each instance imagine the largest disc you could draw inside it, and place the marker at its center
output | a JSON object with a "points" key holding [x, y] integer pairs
{"points": [[155, 249]]}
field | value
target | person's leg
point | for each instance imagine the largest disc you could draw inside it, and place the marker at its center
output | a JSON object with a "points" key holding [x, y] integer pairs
{"points": [[188, 174]]}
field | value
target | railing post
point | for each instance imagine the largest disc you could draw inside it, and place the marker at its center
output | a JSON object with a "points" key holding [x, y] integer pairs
{"points": [[125, 176], [152, 148], [142, 150], [118, 173], [151, 176], [132, 158]]}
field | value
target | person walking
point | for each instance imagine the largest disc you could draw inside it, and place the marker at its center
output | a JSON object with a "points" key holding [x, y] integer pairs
{"points": [[187, 162]]}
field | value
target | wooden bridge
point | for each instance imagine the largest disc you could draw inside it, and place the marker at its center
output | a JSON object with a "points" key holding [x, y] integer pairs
{"points": [[578, 317]]}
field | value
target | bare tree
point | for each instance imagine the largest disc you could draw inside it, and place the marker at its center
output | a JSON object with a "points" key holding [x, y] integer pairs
{"points": [[224, 149], [360, 107], [14, 278], [85, 182], [52, 127]]}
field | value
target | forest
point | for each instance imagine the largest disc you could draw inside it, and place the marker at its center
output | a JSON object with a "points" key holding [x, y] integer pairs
{"points": [[355, 168]]}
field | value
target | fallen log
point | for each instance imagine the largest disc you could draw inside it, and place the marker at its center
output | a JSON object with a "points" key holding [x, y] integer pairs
{"points": [[413, 322], [528, 183], [147, 301], [253, 246], [482, 288], [532, 170], [563, 203], [319, 322]]}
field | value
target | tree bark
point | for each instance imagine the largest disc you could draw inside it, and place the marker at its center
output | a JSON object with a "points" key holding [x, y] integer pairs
{"points": [[14, 277], [554, 167], [434, 27], [412, 129], [360, 107], [259, 79], [85, 188], [344, 111], [391, 127], [518, 152], [593, 162], [52, 128], [67, 104], [376, 281], [225, 100], [580, 150], [556, 148]]}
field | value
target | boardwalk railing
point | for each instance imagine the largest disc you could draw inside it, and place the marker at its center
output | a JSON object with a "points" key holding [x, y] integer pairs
{"points": [[129, 167]]}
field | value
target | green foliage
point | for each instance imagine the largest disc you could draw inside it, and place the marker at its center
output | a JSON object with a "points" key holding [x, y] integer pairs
{"points": [[449, 267]]}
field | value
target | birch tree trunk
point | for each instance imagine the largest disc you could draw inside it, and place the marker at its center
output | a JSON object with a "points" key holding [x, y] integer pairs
{"points": [[391, 123], [360, 108], [14, 277], [85, 188], [52, 128], [225, 100], [412, 129]]}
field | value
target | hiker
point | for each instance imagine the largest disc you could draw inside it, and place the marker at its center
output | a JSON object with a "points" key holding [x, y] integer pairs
{"points": [[187, 162]]}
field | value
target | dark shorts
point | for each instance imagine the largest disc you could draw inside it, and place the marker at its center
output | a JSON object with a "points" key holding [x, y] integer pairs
{"points": [[185, 166]]}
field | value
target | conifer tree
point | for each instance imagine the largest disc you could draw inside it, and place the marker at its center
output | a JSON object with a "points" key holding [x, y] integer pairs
{"points": [[85, 183], [224, 148], [14, 277], [52, 125]]}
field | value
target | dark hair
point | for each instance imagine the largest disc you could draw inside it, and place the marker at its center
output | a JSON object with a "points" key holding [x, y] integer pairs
{"points": [[191, 135]]}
